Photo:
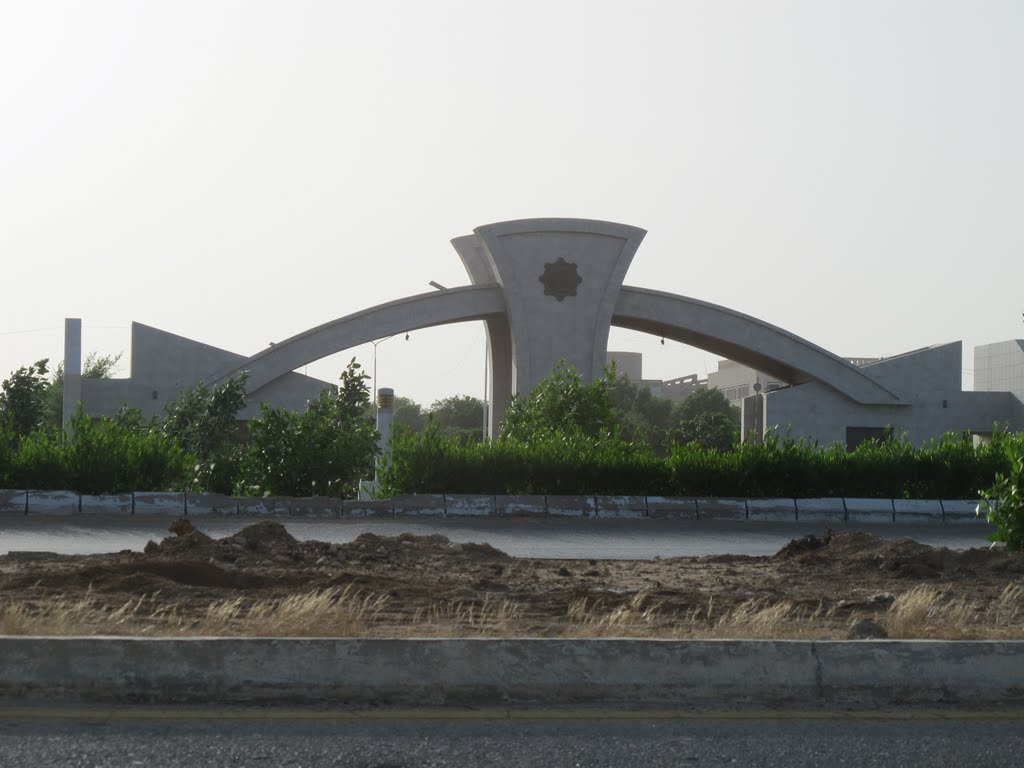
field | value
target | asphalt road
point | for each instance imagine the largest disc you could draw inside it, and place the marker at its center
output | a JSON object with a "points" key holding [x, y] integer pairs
{"points": [[586, 743], [639, 539]]}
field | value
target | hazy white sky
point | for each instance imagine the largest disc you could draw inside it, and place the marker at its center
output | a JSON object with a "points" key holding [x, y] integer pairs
{"points": [[238, 172]]}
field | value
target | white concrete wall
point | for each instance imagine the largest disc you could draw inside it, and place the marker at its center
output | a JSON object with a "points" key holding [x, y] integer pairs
{"points": [[498, 673], [999, 367], [927, 382], [628, 364], [68, 503], [164, 364]]}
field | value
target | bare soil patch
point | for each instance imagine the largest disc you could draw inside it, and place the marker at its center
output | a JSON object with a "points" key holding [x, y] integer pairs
{"points": [[262, 581]]}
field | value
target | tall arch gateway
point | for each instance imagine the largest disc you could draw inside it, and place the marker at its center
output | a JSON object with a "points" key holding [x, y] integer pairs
{"points": [[550, 290]]}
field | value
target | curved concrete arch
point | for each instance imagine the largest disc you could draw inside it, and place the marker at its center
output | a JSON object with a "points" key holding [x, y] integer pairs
{"points": [[454, 305], [746, 340]]}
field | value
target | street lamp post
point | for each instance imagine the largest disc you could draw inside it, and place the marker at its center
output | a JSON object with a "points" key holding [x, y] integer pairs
{"points": [[374, 393]]}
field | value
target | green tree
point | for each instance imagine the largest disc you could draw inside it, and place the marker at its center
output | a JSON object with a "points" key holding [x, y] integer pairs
{"points": [[562, 404], [204, 422], [642, 416], [321, 452], [96, 366], [706, 418], [409, 414], [23, 399], [459, 416]]}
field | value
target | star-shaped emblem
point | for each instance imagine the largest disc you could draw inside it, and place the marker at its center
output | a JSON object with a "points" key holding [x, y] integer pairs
{"points": [[560, 279]]}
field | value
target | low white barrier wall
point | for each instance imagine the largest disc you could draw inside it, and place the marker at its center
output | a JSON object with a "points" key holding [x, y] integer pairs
{"points": [[721, 674], [809, 510]]}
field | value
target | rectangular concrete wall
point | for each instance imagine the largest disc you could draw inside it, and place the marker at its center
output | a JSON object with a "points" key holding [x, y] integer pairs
{"points": [[644, 674], [825, 510], [672, 506], [106, 504], [771, 509], [869, 510], [468, 505], [722, 509], [13, 502], [59, 503], [917, 510], [620, 506], [176, 504], [170, 503]]}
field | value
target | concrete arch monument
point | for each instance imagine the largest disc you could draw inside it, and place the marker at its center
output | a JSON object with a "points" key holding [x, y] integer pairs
{"points": [[550, 290]]}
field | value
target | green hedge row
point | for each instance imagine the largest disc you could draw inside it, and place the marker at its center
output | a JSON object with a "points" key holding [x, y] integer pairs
{"points": [[948, 468], [103, 456]]}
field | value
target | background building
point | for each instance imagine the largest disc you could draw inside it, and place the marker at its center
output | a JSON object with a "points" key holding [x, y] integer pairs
{"points": [[999, 367], [163, 365], [931, 402]]}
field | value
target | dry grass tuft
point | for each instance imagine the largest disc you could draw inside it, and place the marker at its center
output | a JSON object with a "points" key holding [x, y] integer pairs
{"points": [[920, 612], [326, 613], [323, 613], [637, 617], [923, 612], [490, 618], [763, 619]]}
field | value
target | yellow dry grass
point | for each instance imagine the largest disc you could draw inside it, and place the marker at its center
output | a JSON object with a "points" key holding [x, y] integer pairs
{"points": [[637, 617], [920, 612], [324, 613], [923, 612], [491, 618], [762, 619]]}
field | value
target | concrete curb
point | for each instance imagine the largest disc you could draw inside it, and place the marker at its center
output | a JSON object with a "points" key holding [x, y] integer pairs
{"points": [[641, 674], [806, 510]]}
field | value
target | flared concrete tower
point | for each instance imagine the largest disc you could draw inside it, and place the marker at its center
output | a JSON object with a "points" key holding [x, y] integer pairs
{"points": [[560, 279]]}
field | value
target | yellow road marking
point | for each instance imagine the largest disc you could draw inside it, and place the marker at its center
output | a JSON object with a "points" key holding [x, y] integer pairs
{"points": [[143, 712]]}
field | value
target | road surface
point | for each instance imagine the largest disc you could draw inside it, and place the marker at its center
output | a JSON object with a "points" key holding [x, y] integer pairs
{"points": [[591, 742]]}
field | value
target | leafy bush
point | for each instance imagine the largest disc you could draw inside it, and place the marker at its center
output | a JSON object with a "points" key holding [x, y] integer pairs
{"points": [[38, 462], [203, 421], [573, 464], [101, 456], [429, 462], [1003, 502], [562, 404], [120, 455], [564, 438], [323, 451]]}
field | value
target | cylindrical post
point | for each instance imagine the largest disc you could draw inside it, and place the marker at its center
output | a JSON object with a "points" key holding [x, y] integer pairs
{"points": [[385, 417]]}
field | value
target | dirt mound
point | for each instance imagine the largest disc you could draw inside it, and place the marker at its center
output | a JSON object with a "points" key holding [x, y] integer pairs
{"points": [[481, 552], [264, 536], [853, 544], [268, 544], [190, 573], [803, 545], [186, 537], [856, 552], [409, 547]]}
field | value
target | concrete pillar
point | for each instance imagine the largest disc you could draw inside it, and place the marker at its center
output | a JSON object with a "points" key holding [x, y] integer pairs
{"points": [[385, 418], [561, 280], [499, 338], [72, 368], [499, 384]]}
